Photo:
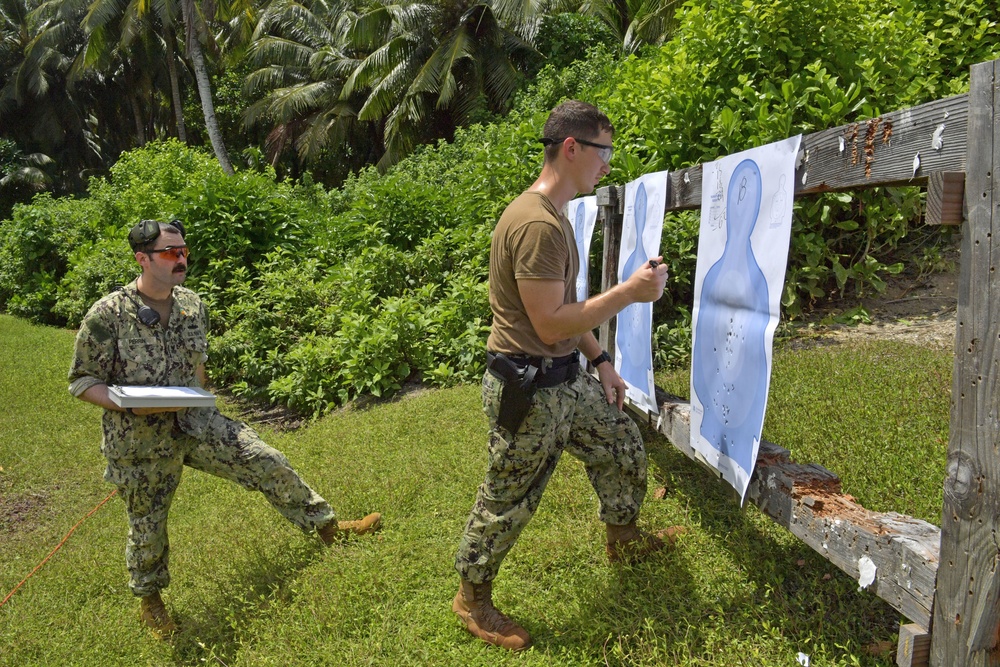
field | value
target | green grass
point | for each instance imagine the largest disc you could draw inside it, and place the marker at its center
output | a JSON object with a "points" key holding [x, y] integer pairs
{"points": [[874, 412], [248, 589]]}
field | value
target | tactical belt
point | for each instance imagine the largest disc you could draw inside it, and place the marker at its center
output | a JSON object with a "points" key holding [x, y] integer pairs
{"points": [[521, 376]]}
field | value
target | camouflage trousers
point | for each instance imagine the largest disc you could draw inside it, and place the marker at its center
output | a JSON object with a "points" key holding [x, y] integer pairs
{"points": [[575, 417], [228, 449]]}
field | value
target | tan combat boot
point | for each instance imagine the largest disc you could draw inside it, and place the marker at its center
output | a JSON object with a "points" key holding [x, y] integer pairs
{"points": [[474, 605], [154, 615], [627, 544], [341, 529]]}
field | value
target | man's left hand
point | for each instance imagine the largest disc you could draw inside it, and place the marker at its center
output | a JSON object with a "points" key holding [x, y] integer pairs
{"points": [[614, 385]]}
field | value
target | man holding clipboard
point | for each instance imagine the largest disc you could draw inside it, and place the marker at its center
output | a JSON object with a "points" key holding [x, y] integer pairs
{"points": [[152, 334]]}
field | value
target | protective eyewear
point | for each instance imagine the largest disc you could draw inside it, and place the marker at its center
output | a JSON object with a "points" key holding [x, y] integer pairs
{"points": [[604, 151], [172, 252]]}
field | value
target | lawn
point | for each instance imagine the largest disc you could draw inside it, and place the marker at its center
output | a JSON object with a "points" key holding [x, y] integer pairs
{"points": [[249, 589]]}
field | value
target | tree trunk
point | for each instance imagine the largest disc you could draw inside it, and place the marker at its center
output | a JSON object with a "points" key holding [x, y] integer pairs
{"points": [[175, 88], [204, 86], [140, 127]]}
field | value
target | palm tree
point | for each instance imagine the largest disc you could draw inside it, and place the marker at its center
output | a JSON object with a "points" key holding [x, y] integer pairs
{"points": [[39, 109], [434, 66], [302, 62], [21, 175], [408, 72], [118, 31], [635, 23], [195, 34]]}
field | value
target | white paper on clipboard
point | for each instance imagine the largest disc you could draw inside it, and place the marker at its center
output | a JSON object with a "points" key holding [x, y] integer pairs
{"points": [[160, 397]]}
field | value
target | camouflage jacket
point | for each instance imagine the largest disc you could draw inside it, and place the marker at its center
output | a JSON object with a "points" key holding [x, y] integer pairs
{"points": [[114, 348]]}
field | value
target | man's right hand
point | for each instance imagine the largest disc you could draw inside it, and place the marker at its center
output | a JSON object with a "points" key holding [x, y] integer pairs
{"points": [[648, 282]]}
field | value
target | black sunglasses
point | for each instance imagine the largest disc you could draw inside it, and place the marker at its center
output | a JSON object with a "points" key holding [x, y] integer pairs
{"points": [[604, 151]]}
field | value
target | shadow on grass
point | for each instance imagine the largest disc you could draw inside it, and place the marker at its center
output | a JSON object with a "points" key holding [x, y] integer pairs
{"points": [[212, 624], [794, 588]]}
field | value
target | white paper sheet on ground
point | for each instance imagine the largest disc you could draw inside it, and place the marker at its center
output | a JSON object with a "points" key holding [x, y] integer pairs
{"points": [[582, 214], [645, 203], [746, 220]]}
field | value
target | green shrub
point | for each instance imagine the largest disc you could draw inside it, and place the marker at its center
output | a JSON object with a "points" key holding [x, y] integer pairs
{"points": [[959, 34], [567, 38], [35, 249], [233, 221], [720, 87], [145, 182], [96, 269]]}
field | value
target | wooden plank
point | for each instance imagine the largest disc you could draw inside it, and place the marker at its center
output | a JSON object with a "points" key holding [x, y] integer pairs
{"points": [[967, 608], [610, 212], [945, 198], [914, 646], [877, 152], [808, 501]]}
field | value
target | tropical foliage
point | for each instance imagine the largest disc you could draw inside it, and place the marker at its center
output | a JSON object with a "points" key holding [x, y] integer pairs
{"points": [[335, 85], [320, 296]]}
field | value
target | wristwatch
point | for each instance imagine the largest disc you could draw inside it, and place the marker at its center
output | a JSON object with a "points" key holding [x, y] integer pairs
{"points": [[601, 358]]}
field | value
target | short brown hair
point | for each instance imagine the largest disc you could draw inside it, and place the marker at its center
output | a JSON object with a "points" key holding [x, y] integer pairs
{"points": [[573, 118]]}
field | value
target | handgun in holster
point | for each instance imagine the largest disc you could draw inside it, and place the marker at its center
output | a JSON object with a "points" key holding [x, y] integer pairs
{"points": [[517, 392]]}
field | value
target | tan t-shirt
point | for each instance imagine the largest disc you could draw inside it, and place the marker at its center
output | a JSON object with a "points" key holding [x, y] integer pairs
{"points": [[533, 240]]}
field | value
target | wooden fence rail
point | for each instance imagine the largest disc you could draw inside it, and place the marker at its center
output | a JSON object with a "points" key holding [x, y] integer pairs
{"points": [[946, 581]]}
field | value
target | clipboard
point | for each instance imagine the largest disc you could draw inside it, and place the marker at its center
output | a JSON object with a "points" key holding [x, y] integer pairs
{"points": [[160, 397]]}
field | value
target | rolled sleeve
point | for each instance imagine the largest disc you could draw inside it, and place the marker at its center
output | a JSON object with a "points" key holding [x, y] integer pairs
{"points": [[93, 353], [80, 385]]}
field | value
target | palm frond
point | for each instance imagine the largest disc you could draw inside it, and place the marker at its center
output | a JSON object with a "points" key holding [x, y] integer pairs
{"points": [[30, 177]]}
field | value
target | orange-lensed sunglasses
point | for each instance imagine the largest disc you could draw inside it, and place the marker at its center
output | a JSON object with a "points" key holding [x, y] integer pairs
{"points": [[173, 252]]}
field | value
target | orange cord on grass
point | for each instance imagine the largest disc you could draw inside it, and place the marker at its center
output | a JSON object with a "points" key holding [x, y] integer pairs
{"points": [[58, 547]]}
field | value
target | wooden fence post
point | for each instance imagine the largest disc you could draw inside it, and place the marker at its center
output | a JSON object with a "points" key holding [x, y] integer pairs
{"points": [[966, 614], [610, 211]]}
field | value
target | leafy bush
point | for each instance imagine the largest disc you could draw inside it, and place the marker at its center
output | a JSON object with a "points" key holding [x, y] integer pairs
{"points": [[232, 221], [96, 269], [145, 183], [35, 249], [318, 297], [960, 33], [566, 38], [720, 87]]}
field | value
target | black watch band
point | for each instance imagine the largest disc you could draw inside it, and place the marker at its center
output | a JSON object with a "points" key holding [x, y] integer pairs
{"points": [[601, 358]]}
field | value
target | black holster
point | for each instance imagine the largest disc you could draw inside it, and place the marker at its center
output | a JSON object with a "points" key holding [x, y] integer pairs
{"points": [[521, 376]]}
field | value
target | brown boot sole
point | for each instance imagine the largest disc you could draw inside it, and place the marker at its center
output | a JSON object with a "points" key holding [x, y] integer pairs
{"points": [[344, 529]]}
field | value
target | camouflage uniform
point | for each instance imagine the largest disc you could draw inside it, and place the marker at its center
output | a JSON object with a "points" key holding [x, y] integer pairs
{"points": [[146, 454], [574, 416]]}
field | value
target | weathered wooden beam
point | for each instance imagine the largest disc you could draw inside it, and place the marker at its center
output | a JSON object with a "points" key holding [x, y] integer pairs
{"points": [[880, 151], [808, 501], [967, 610], [610, 212], [945, 198], [914, 647]]}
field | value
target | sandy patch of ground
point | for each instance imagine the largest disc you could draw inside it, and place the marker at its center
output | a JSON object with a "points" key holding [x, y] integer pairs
{"points": [[918, 310]]}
